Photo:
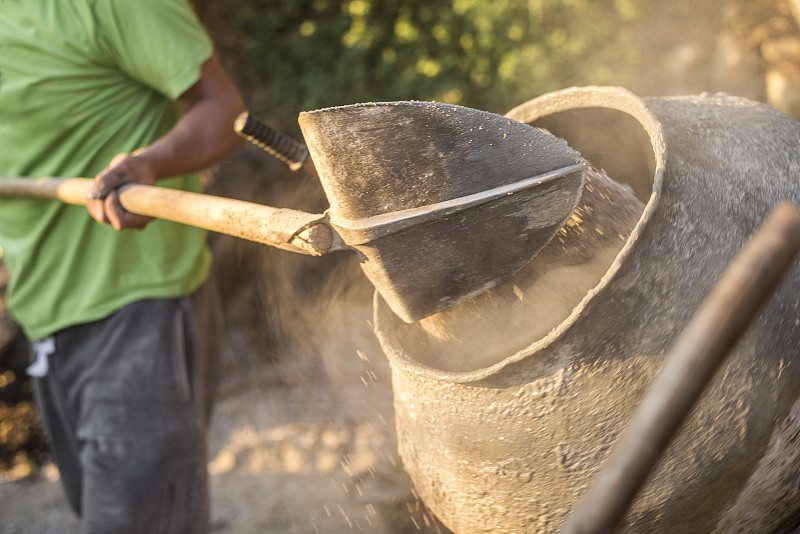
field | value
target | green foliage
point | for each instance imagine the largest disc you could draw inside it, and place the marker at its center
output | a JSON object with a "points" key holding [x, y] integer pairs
{"points": [[486, 54]]}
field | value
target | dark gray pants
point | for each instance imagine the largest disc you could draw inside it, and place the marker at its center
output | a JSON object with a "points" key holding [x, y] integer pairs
{"points": [[126, 402]]}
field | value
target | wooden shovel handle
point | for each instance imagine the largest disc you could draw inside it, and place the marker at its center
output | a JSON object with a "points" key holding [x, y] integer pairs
{"points": [[746, 285], [286, 229]]}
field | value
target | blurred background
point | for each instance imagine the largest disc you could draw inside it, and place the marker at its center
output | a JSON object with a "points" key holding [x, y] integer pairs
{"points": [[303, 436]]}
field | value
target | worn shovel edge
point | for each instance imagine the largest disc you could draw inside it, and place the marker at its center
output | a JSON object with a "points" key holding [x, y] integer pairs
{"points": [[364, 230]]}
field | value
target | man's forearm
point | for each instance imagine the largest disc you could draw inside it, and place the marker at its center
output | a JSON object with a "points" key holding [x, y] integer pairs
{"points": [[205, 133], [203, 136]]}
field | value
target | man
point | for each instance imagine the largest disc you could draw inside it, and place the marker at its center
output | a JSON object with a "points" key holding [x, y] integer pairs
{"points": [[120, 359]]}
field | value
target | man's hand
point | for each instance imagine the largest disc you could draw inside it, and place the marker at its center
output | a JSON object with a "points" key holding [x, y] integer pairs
{"points": [[103, 198], [202, 137]]}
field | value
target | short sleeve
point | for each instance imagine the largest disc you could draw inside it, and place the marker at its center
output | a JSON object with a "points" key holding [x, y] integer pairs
{"points": [[160, 43]]}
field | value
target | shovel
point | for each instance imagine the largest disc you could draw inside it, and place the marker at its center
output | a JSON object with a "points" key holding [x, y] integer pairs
{"points": [[440, 202]]}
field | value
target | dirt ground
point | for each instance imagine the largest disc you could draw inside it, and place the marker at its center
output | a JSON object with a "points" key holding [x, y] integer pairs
{"points": [[299, 446], [303, 437]]}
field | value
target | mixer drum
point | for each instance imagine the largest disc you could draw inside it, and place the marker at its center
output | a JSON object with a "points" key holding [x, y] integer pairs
{"points": [[512, 446]]}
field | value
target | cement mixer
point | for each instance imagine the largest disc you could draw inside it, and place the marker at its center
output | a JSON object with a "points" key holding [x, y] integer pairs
{"points": [[510, 440]]}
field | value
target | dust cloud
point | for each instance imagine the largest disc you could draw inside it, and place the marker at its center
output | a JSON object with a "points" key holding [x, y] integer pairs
{"points": [[524, 308]]}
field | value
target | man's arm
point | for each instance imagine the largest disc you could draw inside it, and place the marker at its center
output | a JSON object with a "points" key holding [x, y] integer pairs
{"points": [[202, 137]]}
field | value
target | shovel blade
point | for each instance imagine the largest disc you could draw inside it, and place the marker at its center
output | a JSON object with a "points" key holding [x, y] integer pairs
{"points": [[441, 201]]}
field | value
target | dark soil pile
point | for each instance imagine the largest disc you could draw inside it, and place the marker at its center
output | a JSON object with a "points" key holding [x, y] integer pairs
{"points": [[23, 443]]}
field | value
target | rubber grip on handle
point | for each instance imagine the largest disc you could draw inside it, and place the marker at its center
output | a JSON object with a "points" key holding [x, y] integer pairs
{"points": [[280, 145]]}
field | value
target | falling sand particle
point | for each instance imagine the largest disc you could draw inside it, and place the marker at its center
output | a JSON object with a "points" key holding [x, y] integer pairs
{"points": [[511, 316]]}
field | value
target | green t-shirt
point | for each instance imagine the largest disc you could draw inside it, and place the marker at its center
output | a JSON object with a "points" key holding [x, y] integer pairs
{"points": [[80, 82]]}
